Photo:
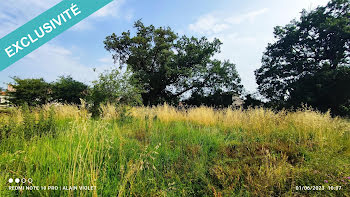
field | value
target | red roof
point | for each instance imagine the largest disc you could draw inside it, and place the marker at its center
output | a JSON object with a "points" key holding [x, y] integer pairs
{"points": [[3, 93]]}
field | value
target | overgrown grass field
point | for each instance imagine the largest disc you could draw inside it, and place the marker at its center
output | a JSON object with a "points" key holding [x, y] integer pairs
{"points": [[164, 151]]}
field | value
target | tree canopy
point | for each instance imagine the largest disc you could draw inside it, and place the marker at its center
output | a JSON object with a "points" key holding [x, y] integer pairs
{"points": [[36, 92], [114, 87], [169, 67], [309, 61], [30, 91], [68, 90]]}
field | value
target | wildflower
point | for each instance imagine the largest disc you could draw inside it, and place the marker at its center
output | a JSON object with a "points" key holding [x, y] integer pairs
{"points": [[348, 177], [325, 181]]}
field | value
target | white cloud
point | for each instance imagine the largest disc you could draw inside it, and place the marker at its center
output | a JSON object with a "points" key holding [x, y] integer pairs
{"points": [[208, 24], [250, 16], [215, 23], [107, 60], [110, 10], [15, 13]]}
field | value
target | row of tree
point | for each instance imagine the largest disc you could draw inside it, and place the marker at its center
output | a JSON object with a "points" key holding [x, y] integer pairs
{"points": [[36, 92], [308, 64], [111, 87], [157, 66]]}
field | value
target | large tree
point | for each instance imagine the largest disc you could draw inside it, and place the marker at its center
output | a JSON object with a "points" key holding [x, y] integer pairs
{"points": [[309, 61], [169, 67]]}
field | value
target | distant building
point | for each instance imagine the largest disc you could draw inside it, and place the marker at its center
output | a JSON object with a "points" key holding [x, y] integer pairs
{"points": [[4, 97], [10, 88], [237, 101]]}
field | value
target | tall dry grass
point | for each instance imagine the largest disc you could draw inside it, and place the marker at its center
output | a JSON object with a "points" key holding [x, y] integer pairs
{"points": [[165, 151], [254, 121]]}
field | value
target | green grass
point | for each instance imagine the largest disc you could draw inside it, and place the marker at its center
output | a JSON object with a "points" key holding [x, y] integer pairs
{"points": [[144, 155]]}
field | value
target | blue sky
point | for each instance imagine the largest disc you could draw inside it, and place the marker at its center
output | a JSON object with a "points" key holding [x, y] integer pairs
{"points": [[245, 28]]}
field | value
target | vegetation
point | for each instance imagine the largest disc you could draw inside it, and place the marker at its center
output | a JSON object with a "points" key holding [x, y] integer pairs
{"points": [[37, 92], [30, 91], [162, 151], [126, 142], [114, 87], [167, 66], [310, 61], [68, 90], [308, 64]]}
